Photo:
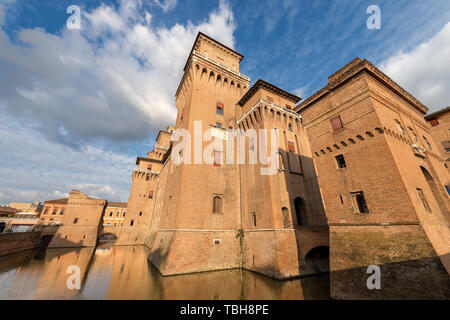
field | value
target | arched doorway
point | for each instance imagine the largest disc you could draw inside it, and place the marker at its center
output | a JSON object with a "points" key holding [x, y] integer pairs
{"points": [[299, 205], [318, 259], [434, 190], [2, 226]]}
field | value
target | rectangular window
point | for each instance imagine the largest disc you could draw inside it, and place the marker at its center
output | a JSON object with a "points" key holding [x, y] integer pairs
{"points": [[62, 211], [341, 161], [288, 107], [219, 109], [446, 145], [150, 195], [424, 200], [270, 99], [54, 211], [291, 146], [75, 220], [147, 177], [217, 158], [46, 211], [132, 222], [434, 122], [149, 167], [336, 123], [359, 202]]}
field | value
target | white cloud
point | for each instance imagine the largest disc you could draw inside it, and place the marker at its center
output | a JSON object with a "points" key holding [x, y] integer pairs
{"points": [[166, 5], [425, 71], [67, 99], [35, 169], [115, 79], [301, 92]]}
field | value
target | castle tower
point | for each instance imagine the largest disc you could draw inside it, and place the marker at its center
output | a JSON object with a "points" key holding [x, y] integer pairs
{"points": [[283, 220], [197, 215], [145, 179], [81, 222], [382, 183]]}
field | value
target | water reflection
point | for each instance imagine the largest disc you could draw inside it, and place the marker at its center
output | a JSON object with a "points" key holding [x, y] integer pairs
{"points": [[124, 273]]}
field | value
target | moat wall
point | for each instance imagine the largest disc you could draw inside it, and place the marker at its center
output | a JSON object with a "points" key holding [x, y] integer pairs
{"points": [[410, 267], [18, 241]]}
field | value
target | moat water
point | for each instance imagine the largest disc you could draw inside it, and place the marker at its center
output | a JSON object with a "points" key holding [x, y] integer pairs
{"points": [[124, 273]]}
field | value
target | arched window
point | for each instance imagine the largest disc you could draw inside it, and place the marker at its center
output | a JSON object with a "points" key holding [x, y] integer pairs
{"points": [[285, 215], [217, 204]]}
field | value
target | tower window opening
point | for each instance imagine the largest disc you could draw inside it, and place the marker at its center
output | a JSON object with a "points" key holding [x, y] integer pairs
{"points": [[217, 204], [340, 160], [219, 108], [360, 204]]}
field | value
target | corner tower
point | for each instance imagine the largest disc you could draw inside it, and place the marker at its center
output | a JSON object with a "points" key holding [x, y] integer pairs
{"points": [[188, 232]]}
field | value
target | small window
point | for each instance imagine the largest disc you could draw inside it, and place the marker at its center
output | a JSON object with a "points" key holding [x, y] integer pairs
{"points": [[291, 146], [147, 177], [336, 123], [54, 211], [270, 99], [123, 215], [219, 109], [118, 213], [217, 204], [46, 211], [61, 212], [434, 122], [75, 220], [446, 145], [111, 213], [140, 214], [341, 161], [132, 222], [254, 218], [288, 107], [359, 202], [150, 195], [217, 158], [149, 167], [424, 200]]}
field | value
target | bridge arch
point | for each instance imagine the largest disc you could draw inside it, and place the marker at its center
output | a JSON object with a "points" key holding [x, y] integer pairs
{"points": [[318, 259]]}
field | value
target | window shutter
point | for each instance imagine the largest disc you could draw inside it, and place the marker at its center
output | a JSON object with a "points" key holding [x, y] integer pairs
{"points": [[336, 123], [217, 158], [434, 122], [291, 146], [270, 99]]}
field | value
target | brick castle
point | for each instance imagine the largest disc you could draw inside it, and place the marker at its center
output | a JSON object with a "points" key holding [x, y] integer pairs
{"points": [[360, 182]]}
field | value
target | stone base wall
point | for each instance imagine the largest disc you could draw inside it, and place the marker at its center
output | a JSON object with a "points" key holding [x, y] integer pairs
{"points": [[127, 235], [18, 241], [410, 268], [74, 237], [281, 254], [179, 252]]}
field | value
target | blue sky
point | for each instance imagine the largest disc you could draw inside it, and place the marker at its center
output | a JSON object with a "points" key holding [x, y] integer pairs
{"points": [[77, 106]]}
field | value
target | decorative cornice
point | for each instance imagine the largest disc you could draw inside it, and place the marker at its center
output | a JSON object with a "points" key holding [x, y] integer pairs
{"points": [[354, 68], [261, 84], [271, 104]]}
